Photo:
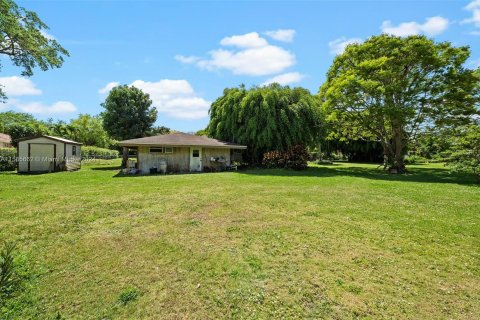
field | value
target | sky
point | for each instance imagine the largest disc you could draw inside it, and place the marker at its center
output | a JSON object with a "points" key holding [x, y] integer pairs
{"points": [[185, 53]]}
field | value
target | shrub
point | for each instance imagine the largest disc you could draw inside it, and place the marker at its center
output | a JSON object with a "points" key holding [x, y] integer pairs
{"points": [[414, 159], [297, 157], [99, 153], [7, 159], [273, 159], [294, 158]]}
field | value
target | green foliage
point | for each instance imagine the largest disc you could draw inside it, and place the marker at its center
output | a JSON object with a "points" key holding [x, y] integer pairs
{"points": [[296, 157], [127, 295], [27, 129], [265, 118], [7, 159], [10, 118], [23, 39], [98, 153], [89, 130], [9, 278], [465, 151], [158, 131], [21, 125], [388, 87], [128, 113], [353, 150]]}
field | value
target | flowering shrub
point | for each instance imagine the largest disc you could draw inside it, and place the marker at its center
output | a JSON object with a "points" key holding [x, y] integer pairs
{"points": [[294, 158]]}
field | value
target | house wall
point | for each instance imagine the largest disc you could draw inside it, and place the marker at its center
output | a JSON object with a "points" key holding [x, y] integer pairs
{"points": [[178, 161], [23, 152], [5, 145]]}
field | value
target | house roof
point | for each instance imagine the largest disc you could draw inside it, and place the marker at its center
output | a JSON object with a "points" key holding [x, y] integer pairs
{"points": [[51, 138], [5, 138], [180, 140]]}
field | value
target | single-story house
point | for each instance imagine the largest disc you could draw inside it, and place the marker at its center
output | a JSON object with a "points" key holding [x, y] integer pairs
{"points": [[48, 154], [182, 152], [5, 140]]}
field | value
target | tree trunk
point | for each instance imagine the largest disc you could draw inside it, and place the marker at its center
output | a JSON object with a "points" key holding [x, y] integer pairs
{"points": [[124, 157], [397, 163], [394, 151]]}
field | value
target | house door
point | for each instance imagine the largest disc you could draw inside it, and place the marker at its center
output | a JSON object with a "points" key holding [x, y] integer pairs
{"points": [[195, 159], [42, 157]]}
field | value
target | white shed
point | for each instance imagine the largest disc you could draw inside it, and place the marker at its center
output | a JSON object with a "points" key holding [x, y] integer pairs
{"points": [[48, 154]]}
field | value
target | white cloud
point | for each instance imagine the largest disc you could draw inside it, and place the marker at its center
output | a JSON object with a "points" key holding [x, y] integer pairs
{"points": [[285, 35], [474, 8], [41, 108], [337, 46], [248, 40], [19, 86], [186, 59], [286, 78], [176, 98], [108, 87], [432, 27], [253, 56]]}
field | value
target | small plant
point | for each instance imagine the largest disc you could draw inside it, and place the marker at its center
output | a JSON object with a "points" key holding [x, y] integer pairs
{"points": [[127, 295], [8, 274]]}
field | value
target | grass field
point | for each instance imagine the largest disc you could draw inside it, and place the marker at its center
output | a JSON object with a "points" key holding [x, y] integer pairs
{"points": [[340, 241]]}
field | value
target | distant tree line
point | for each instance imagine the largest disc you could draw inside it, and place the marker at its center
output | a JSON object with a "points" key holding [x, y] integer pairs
{"points": [[389, 99]]}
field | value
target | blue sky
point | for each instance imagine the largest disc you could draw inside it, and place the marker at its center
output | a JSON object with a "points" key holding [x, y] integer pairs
{"points": [[185, 53]]}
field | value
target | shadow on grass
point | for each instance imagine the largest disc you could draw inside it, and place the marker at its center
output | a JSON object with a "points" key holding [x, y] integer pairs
{"points": [[105, 168], [427, 175]]}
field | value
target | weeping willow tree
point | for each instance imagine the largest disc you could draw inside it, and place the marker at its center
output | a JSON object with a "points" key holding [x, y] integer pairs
{"points": [[265, 118]]}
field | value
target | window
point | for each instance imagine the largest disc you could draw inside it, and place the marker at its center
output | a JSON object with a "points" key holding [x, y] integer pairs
{"points": [[156, 150], [74, 150], [195, 153], [168, 150]]}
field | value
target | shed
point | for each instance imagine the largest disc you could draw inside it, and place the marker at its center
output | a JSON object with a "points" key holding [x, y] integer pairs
{"points": [[182, 152], [5, 140], [48, 154]]}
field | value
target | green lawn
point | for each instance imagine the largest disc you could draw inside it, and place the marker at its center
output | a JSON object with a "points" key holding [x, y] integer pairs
{"points": [[340, 241]]}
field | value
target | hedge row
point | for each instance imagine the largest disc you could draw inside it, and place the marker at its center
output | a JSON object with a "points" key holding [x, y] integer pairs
{"points": [[7, 159], [99, 153]]}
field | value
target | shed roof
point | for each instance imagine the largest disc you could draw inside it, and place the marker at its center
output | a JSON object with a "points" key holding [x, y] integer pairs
{"points": [[180, 139], [5, 138], [51, 138]]}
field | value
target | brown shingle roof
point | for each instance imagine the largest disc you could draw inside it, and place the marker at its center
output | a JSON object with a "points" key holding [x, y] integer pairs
{"points": [[5, 138], [180, 139]]}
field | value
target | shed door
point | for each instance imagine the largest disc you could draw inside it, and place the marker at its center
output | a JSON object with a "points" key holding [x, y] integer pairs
{"points": [[195, 159], [41, 157]]}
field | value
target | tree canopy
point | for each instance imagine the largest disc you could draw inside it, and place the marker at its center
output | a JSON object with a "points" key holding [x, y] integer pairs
{"points": [[23, 38], [389, 87], [265, 118], [128, 113]]}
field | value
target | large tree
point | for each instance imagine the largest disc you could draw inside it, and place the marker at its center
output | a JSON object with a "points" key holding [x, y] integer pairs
{"points": [[128, 114], [389, 87], [265, 118], [21, 125], [89, 130], [23, 38]]}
